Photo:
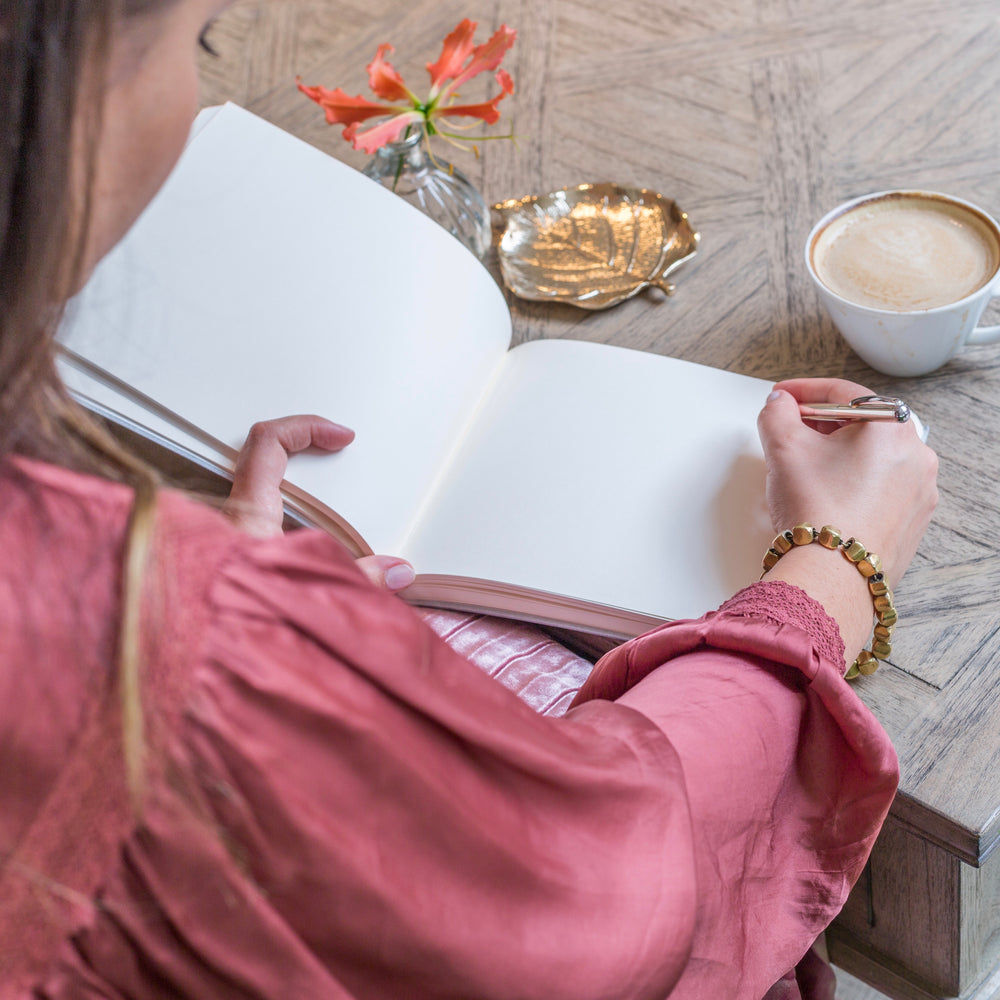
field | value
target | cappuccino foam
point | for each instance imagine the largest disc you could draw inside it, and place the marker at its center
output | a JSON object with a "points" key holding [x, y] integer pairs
{"points": [[905, 253]]}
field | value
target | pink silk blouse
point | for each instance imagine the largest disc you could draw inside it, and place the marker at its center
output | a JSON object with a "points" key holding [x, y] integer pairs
{"points": [[338, 804]]}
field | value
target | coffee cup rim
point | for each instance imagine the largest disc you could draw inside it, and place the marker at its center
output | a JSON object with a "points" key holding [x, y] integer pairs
{"points": [[853, 203]]}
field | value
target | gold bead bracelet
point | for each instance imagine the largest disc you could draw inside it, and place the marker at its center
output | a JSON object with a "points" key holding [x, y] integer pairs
{"points": [[868, 565]]}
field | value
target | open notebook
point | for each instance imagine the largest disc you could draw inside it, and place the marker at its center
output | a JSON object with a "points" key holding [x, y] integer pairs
{"points": [[565, 482]]}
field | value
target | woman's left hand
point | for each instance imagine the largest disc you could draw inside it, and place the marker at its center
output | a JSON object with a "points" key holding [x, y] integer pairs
{"points": [[254, 504]]}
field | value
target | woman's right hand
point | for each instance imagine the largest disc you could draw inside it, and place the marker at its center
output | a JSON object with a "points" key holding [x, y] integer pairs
{"points": [[875, 481]]}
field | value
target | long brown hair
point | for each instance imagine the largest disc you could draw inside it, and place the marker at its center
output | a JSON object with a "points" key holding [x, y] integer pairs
{"points": [[52, 59]]}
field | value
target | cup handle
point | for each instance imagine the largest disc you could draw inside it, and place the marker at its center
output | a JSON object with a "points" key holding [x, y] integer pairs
{"points": [[987, 334]]}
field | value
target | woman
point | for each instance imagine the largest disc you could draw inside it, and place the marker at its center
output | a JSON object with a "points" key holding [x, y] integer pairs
{"points": [[235, 768]]}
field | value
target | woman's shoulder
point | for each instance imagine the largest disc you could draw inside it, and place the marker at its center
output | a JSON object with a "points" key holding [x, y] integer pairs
{"points": [[71, 528], [66, 501]]}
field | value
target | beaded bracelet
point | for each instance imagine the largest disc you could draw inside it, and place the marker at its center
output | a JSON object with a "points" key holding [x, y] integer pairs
{"points": [[869, 566]]}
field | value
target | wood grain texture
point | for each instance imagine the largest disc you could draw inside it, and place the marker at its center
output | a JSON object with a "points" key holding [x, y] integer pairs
{"points": [[906, 909], [756, 116]]}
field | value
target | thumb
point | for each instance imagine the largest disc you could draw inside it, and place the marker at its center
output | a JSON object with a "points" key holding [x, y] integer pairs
{"points": [[387, 572], [779, 421]]}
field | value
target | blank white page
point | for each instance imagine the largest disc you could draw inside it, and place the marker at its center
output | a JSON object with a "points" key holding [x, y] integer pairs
{"points": [[267, 278], [610, 475]]}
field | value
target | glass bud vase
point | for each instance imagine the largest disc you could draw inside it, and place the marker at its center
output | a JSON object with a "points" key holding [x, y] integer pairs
{"points": [[438, 189]]}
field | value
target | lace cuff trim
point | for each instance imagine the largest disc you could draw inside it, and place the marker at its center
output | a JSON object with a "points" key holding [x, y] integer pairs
{"points": [[785, 604]]}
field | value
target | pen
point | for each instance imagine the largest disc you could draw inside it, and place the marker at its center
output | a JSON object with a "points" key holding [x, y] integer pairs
{"points": [[862, 408]]}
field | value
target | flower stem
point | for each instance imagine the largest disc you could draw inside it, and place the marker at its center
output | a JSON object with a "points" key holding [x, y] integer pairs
{"points": [[399, 162]]}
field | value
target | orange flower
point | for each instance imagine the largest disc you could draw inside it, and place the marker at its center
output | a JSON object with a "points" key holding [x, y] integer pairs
{"points": [[459, 62]]}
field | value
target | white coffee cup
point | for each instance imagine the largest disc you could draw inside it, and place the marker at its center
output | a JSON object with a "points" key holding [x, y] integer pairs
{"points": [[906, 275]]}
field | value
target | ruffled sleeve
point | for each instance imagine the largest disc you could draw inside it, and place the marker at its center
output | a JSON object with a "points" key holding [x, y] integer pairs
{"points": [[788, 775], [426, 832]]}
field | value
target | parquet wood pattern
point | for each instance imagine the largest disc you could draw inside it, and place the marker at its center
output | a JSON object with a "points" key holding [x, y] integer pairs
{"points": [[756, 116]]}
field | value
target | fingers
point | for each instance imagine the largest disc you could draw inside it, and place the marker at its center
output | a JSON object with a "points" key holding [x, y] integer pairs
{"points": [[289, 435], [822, 390], [779, 422], [387, 572], [254, 503]]}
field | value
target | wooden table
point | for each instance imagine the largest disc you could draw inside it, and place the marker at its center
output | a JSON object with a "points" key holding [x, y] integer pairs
{"points": [[757, 116]]}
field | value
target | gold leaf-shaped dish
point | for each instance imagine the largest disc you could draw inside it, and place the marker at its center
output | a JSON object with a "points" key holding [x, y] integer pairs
{"points": [[594, 245]]}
